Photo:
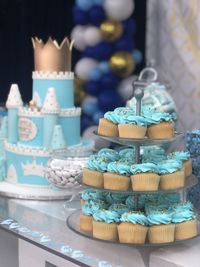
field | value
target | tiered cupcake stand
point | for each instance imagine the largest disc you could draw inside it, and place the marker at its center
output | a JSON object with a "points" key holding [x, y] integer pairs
{"points": [[74, 218]]}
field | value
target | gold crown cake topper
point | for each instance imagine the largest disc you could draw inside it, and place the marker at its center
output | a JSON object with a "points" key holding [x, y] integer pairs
{"points": [[51, 56]]}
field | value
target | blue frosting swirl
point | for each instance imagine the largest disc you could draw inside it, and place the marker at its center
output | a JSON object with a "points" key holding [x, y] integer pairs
{"points": [[133, 119], [120, 167], [116, 198], [130, 202], [169, 166], [97, 163], [182, 206], [90, 207], [113, 117], [157, 117], [91, 194], [159, 218], [153, 154], [179, 155], [108, 216], [127, 153], [182, 216], [109, 153], [134, 217], [125, 111], [169, 198], [120, 208], [144, 167]]}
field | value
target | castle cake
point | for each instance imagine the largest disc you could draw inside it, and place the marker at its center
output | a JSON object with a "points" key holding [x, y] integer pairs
{"points": [[50, 122]]}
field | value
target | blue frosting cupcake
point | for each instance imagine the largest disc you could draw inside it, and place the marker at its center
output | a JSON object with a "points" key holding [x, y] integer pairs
{"points": [[120, 208], [109, 154], [184, 157], [127, 153], [92, 194], [113, 198]]}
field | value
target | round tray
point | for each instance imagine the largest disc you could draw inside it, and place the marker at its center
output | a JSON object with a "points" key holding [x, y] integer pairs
{"points": [[143, 141], [73, 224], [189, 182]]}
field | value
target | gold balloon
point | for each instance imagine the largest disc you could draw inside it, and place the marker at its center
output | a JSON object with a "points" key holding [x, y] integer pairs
{"points": [[122, 63], [79, 92], [111, 30]]}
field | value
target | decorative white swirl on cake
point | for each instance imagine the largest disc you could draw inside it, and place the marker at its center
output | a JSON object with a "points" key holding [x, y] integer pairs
{"points": [[51, 105], [33, 169], [28, 112], [27, 151], [14, 98], [70, 112], [53, 75]]}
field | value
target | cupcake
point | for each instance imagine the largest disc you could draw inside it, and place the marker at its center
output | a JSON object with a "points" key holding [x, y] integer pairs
{"points": [[105, 224], [185, 222], [131, 202], [127, 153], [112, 198], [93, 172], [108, 153], [108, 125], [89, 193], [119, 208], [133, 228], [153, 154], [171, 174], [117, 176], [86, 216], [144, 177], [161, 228], [183, 156], [132, 126], [169, 198], [160, 125]]}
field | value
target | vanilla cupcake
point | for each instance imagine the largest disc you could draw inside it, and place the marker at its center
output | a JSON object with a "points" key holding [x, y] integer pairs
{"points": [[117, 176], [93, 172], [185, 221], [161, 228], [171, 174], [127, 153], [144, 177], [183, 156], [132, 126], [160, 125], [105, 225], [133, 228], [108, 153], [108, 126], [89, 193], [87, 211]]}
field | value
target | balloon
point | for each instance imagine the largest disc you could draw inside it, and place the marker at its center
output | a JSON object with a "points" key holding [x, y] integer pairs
{"points": [[97, 15], [109, 81], [95, 74], [103, 51], [137, 56], [119, 9], [104, 67], [92, 87], [77, 35], [79, 93], [84, 4], [109, 100], [80, 17], [111, 30], [86, 122], [97, 115], [89, 105], [125, 88], [99, 142], [122, 63], [92, 36], [99, 2], [84, 66], [129, 27], [124, 44]]}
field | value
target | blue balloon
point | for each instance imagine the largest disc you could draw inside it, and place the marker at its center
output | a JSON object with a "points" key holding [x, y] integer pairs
{"points": [[97, 15], [129, 27], [104, 67], [92, 88], [80, 17], [124, 44], [99, 2], [95, 74], [103, 51], [89, 106], [109, 81], [109, 100], [86, 122], [84, 4], [89, 52], [137, 56], [97, 115]]}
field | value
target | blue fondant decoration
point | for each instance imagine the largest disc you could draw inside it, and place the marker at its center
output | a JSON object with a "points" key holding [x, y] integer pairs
{"points": [[71, 129], [64, 90], [50, 120], [15, 163], [13, 125]]}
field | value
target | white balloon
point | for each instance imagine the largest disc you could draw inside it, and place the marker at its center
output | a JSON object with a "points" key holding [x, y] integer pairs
{"points": [[119, 9], [99, 142], [125, 88], [77, 35], [84, 66], [92, 35]]}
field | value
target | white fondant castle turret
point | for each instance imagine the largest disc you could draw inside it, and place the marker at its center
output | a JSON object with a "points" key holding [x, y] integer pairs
{"points": [[14, 101], [50, 110]]}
